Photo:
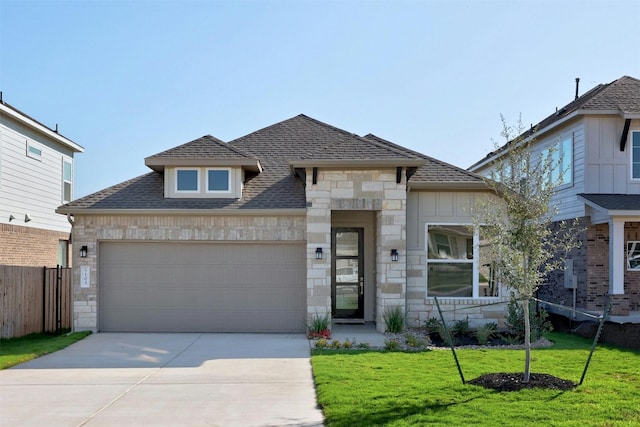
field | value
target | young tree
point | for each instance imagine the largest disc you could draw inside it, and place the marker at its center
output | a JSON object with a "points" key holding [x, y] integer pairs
{"points": [[518, 225]]}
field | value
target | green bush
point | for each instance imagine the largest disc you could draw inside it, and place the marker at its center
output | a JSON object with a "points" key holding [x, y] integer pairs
{"points": [[394, 319], [515, 321], [484, 332], [461, 327], [432, 324]]}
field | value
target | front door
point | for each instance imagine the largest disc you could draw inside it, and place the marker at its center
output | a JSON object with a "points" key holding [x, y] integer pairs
{"points": [[347, 290]]}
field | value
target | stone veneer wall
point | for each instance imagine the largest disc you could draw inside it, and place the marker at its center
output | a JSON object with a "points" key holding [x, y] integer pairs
{"points": [[91, 229], [359, 189], [29, 246]]}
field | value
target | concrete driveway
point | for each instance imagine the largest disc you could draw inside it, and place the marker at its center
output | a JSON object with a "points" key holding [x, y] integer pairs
{"points": [[114, 379]]}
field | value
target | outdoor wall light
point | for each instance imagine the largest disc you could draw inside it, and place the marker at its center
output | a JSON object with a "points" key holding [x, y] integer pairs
{"points": [[83, 252], [27, 217], [318, 253], [394, 255]]}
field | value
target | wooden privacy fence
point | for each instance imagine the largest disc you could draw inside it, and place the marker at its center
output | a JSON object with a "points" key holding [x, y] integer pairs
{"points": [[34, 299]]}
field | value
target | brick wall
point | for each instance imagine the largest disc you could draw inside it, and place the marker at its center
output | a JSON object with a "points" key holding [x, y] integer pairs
{"points": [[632, 278], [553, 290], [28, 246]]}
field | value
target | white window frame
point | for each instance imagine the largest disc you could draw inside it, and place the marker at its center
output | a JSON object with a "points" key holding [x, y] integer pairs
{"points": [[631, 162], [37, 153], [565, 161], [198, 179], [65, 181], [475, 261], [632, 246], [229, 180]]}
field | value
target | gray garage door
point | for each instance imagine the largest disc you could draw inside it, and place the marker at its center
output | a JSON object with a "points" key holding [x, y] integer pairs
{"points": [[202, 287]]}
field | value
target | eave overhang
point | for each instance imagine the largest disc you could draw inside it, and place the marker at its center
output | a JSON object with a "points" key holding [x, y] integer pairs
{"points": [[39, 127], [159, 164], [184, 212], [611, 212], [386, 163]]}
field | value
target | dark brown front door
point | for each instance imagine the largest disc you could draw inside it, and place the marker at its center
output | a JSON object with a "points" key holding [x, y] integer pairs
{"points": [[347, 290]]}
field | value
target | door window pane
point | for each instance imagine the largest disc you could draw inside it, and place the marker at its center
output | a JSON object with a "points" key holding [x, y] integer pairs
{"points": [[347, 243], [346, 297], [347, 271]]}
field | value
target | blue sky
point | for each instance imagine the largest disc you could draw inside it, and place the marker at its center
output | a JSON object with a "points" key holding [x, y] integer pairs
{"points": [[128, 79]]}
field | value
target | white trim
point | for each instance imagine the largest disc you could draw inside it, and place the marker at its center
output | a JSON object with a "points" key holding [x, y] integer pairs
{"points": [[37, 150], [64, 181], [460, 260], [177, 173], [22, 118], [229, 189], [630, 145]]}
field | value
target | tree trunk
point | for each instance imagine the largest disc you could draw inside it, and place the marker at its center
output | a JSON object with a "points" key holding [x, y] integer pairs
{"points": [[527, 341]]}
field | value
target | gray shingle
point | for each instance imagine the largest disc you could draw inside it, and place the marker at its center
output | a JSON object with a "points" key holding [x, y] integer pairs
{"points": [[623, 202], [276, 187]]}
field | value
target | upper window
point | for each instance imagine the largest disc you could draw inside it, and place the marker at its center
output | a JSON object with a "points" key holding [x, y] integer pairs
{"points": [[33, 151], [562, 162], [187, 180], [218, 180], [635, 155], [458, 263], [67, 181]]}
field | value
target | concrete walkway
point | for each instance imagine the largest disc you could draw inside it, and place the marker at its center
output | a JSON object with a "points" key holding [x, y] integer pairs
{"points": [[113, 379]]}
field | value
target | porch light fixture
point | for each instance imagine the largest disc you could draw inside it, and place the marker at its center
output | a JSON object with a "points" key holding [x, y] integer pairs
{"points": [[394, 255], [318, 253], [83, 252]]}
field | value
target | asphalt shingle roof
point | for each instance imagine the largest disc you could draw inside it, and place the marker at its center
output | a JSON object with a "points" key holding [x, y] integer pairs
{"points": [[434, 170], [622, 202], [621, 96], [275, 187]]}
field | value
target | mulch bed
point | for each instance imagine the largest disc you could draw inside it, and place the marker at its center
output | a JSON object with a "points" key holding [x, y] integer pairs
{"points": [[513, 382]]}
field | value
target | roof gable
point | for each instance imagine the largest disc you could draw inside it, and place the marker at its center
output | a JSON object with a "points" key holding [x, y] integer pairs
{"points": [[205, 151]]}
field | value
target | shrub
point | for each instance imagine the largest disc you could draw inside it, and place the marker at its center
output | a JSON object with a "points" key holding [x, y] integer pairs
{"points": [[432, 325], [461, 327], [394, 319], [515, 321], [318, 327], [392, 344], [415, 341], [484, 332]]}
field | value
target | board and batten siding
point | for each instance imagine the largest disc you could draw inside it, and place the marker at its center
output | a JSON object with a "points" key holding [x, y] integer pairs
{"points": [[436, 207], [608, 168], [30, 185]]}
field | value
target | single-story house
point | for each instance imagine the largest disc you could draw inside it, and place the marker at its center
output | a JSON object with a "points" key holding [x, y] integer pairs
{"points": [[262, 233]]}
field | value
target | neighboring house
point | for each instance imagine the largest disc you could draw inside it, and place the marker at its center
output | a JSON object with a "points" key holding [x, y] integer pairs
{"points": [[36, 176], [598, 137], [262, 233]]}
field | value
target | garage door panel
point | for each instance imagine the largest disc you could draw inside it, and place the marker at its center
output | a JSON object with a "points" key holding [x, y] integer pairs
{"points": [[202, 287]]}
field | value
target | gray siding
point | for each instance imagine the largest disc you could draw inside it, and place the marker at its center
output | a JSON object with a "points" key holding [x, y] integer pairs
{"points": [[29, 185], [608, 168]]}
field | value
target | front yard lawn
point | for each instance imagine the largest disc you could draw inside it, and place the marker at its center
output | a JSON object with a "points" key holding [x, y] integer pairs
{"points": [[373, 388], [19, 350]]}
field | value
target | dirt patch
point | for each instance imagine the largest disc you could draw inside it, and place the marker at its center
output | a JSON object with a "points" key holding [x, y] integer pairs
{"points": [[513, 382]]}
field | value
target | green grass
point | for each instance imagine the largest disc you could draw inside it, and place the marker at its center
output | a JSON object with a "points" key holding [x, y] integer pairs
{"points": [[372, 388], [19, 350]]}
